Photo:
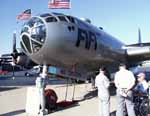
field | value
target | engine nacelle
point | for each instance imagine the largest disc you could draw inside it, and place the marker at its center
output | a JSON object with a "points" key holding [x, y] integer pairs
{"points": [[138, 51]]}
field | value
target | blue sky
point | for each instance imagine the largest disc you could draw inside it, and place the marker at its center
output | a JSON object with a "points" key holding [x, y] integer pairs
{"points": [[120, 18]]}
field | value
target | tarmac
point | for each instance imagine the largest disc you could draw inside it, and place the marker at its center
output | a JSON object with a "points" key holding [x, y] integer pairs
{"points": [[13, 97]]}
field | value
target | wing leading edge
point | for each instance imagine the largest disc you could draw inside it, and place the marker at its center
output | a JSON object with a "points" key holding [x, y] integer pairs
{"points": [[137, 53]]}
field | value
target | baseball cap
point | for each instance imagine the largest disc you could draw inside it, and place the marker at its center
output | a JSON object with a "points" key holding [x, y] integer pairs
{"points": [[141, 74]]}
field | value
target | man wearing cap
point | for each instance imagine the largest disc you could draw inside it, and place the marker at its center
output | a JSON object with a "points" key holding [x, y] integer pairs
{"points": [[142, 85], [124, 81]]}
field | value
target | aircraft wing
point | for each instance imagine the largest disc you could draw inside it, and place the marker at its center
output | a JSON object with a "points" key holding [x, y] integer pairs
{"points": [[138, 52], [138, 44]]}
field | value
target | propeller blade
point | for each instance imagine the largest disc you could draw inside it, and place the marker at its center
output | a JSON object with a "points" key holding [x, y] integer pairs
{"points": [[139, 32], [14, 43], [14, 53]]}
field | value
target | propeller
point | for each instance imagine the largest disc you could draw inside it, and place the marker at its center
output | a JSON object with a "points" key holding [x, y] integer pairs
{"points": [[18, 57], [139, 44], [14, 53], [140, 39], [14, 50]]}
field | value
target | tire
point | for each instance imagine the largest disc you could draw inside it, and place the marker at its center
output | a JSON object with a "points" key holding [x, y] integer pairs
{"points": [[27, 74], [144, 107]]}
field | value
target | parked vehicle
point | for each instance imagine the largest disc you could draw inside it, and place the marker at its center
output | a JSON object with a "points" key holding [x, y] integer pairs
{"points": [[35, 71]]}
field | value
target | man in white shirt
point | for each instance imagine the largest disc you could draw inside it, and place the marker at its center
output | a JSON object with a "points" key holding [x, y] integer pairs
{"points": [[102, 83], [124, 81]]}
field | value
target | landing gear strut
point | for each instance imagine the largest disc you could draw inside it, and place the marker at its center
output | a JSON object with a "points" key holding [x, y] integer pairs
{"points": [[41, 85]]}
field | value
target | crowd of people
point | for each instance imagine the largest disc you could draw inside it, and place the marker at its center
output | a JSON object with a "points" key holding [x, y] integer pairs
{"points": [[126, 86]]}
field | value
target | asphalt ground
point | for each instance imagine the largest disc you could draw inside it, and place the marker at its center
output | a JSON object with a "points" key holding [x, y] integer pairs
{"points": [[13, 97]]}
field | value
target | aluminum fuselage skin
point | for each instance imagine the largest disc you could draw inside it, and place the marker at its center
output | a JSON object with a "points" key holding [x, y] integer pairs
{"points": [[78, 42]]}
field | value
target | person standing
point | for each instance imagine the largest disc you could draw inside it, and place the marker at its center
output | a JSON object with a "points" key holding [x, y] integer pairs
{"points": [[124, 82], [142, 85], [141, 95], [102, 83]]}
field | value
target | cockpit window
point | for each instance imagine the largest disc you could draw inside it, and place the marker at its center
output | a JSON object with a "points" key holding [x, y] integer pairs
{"points": [[34, 20], [30, 23], [36, 46], [26, 41], [36, 35], [62, 18], [45, 15], [25, 29], [71, 19], [55, 13], [22, 46], [38, 32], [51, 19]]}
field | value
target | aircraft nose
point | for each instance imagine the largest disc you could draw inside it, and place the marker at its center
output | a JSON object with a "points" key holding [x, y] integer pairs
{"points": [[33, 35]]}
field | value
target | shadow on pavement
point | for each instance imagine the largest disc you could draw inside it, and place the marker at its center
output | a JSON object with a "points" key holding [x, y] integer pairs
{"points": [[94, 93], [91, 94], [62, 105], [13, 113], [7, 88]]}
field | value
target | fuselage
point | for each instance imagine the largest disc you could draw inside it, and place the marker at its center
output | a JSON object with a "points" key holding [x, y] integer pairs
{"points": [[63, 40]]}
